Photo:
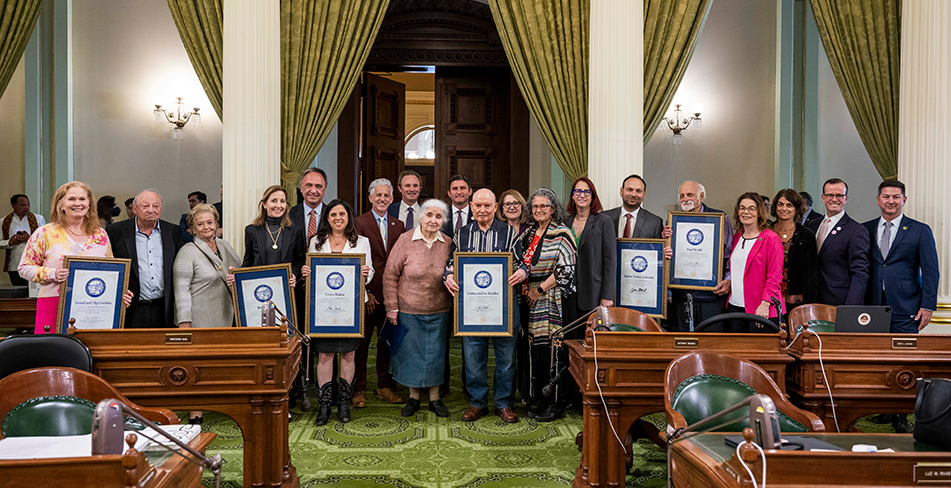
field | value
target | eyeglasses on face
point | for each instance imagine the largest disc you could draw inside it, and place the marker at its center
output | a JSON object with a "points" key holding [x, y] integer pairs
{"points": [[581, 193], [543, 206], [742, 209], [511, 205], [833, 195]]}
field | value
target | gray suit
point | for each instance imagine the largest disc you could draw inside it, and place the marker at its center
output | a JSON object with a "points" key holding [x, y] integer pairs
{"points": [[597, 261], [201, 295], [647, 225]]}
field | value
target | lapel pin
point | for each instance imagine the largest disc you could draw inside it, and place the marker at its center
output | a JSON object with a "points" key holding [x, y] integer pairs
{"points": [[904, 227]]}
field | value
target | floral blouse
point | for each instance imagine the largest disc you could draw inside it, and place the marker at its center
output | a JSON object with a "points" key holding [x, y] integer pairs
{"points": [[48, 246]]}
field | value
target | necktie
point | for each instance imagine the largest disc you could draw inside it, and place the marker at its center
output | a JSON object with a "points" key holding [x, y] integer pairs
{"points": [[312, 226], [627, 227], [382, 223], [458, 220], [821, 235], [409, 218], [886, 240]]}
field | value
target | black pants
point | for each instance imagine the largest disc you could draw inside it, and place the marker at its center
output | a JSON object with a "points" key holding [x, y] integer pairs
{"points": [[16, 280], [148, 314], [702, 304]]}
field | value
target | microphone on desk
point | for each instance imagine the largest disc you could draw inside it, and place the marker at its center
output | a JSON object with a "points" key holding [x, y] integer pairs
{"points": [[108, 427]]}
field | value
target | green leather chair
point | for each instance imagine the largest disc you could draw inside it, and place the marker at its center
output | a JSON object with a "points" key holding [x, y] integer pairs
{"points": [[819, 326], [61, 401], [701, 384]]}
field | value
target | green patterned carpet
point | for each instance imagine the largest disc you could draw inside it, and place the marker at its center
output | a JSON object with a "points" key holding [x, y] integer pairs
{"points": [[381, 449]]}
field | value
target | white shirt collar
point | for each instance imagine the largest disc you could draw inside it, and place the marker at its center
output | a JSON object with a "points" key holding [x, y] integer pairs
{"points": [[404, 206], [633, 214], [418, 235], [896, 221], [834, 220], [308, 208]]}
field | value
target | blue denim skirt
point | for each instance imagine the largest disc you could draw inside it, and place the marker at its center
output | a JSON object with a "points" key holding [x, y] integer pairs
{"points": [[419, 363]]}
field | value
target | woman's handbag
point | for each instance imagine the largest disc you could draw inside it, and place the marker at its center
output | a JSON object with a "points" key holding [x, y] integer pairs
{"points": [[933, 412]]}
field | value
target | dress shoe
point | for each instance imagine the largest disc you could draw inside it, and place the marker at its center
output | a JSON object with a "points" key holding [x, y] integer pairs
{"points": [[200, 420], [474, 413], [359, 399], [410, 408], [439, 408], [507, 414], [388, 395], [550, 413]]}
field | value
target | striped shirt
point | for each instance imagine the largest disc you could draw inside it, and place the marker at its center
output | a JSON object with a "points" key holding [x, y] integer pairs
{"points": [[500, 237]]}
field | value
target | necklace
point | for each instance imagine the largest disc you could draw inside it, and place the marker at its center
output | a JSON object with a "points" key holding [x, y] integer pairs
{"points": [[334, 242], [74, 233], [786, 233], [273, 238]]}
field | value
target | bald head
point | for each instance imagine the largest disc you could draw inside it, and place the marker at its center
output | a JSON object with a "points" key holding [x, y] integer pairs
{"points": [[690, 196], [483, 207]]}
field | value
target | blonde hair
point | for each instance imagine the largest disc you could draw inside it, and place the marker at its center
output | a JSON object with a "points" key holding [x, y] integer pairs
{"points": [[58, 215], [200, 209], [518, 197], [261, 219]]}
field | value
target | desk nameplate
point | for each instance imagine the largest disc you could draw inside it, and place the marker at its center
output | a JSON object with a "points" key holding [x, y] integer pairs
{"points": [[178, 338], [904, 343], [686, 342], [933, 473]]}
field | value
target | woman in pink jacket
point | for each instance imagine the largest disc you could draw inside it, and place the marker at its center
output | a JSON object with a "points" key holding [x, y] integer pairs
{"points": [[756, 265]]}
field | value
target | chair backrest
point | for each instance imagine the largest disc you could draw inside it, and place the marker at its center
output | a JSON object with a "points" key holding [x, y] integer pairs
{"points": [[622, 319], [808, 312], [817, 326], [33, 398], [701, 384], [23, 351]]}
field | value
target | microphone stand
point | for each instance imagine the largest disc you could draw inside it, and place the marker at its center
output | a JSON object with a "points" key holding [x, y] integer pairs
{"points": [[214, 464], [270, 310], [556, 337]]}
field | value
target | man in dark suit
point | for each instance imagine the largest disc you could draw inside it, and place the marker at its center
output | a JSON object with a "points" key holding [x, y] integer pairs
{"points": [[151, 244], [382, 230], [459, 193], [631, 220], [694, 306], [808, 214], [903, 273], [306, 216], [843, 249], [407, 209]]}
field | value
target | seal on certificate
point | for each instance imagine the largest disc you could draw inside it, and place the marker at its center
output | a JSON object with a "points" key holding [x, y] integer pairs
{"points": [[263, 293], [95, 287], [335, 281], [482, 279], [694, 236], [639, 264]]}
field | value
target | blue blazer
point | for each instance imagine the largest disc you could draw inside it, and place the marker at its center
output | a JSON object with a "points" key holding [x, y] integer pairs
{"points": [[843, 263], [911, 268], [394, 209]]}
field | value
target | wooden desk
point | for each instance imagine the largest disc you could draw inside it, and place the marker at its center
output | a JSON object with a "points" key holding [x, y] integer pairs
{"points": [[155, 469], [630, 371], [18, 312], [244, 373], [706, 461], [868, 373]]}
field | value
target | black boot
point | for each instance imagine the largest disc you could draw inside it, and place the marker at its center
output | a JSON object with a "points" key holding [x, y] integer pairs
{"points": [[548, 412], [324, 394], [344, 391]]}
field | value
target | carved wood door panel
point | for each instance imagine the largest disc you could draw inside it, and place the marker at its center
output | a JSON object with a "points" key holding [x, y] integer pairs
{"points": [[384, 115], [472, 127]]}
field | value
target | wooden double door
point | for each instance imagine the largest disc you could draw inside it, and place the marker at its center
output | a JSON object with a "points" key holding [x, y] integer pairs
{"points": [[481, 131]]}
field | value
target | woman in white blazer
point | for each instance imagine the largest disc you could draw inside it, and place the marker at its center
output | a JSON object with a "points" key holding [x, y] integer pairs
{"points": [[337, 233], [201, 276]]}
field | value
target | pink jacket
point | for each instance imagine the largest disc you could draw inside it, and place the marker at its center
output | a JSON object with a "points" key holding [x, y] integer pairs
{"points": [[763, 276]]}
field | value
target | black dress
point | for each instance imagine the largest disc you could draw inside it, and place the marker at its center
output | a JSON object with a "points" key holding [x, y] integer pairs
{"points": [[259, 251]]}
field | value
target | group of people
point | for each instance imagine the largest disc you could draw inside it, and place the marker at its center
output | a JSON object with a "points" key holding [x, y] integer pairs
{"points": [[565, 259]]}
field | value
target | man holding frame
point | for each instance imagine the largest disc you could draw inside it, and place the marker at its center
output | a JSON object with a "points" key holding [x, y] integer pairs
{"points": [[486, 234]]}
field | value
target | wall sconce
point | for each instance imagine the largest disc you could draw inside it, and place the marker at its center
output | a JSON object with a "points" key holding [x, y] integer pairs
{"points": [[679, 124], [177, 118]]}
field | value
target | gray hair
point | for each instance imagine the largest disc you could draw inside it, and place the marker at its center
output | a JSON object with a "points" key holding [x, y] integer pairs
{"points": [[433, 203], [380, 181], [558, 214], [135, 201]]}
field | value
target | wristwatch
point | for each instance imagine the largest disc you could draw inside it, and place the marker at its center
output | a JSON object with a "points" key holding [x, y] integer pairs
{"points": [[539, 290]]}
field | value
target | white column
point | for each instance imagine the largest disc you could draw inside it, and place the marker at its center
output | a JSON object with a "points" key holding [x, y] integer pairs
{"points": [[924, 149], [251, 152], [615, 95]]}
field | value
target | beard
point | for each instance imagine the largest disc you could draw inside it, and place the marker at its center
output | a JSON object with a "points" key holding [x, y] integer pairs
{"points": [[687, 206]]}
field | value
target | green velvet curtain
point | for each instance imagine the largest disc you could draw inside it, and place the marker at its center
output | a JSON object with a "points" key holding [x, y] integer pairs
{"points": [[546, 42], [671, 30], [17, 19], [199, 24], [324, 45], [862, 41]]}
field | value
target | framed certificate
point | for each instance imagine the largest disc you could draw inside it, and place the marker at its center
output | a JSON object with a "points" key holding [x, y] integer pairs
{"points": [[642, 276], [697, 244], [483, 305], [257, 285], [335, 295], [92, 293]]}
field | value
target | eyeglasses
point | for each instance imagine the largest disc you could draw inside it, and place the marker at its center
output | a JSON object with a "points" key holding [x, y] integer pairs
{"points": [[511, 204], [543, 206], [581, 193], [833, 195], [745, 209]]}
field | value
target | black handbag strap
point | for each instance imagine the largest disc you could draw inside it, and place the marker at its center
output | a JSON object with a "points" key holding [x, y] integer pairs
{"points": [[924, 386]]}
